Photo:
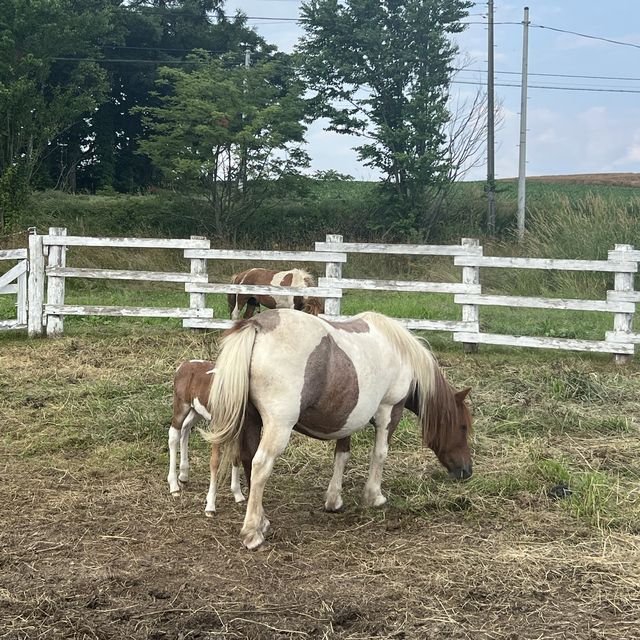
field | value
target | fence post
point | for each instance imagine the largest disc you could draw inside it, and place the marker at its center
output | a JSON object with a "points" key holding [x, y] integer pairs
{"points": [[56, 284], [333, 270], [623, 322], [35, 286], [198, 268], [22, 315], [470, 312]]}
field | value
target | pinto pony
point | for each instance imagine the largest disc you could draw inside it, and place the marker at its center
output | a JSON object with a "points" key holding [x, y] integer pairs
{"points": [[292, 278], [191, 386], [286, 370]]}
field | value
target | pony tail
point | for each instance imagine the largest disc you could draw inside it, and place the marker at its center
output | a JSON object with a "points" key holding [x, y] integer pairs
{"points": [[229, 392]]}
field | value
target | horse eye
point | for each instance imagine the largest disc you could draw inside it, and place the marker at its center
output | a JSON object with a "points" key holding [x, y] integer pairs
{"points": [[464, 428]]}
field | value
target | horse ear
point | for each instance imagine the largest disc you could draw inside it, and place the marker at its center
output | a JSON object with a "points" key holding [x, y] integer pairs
{"points": [[461, 395]]}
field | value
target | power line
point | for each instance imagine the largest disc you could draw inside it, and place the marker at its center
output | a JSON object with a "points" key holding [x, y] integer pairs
{"points": [[127, 60], [170, 12], [555, 75], [586, 35], [457, 69], [539, 86], [468, 82]]}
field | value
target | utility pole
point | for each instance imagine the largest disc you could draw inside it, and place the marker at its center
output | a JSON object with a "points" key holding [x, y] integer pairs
{"points": [[522, 164], [491, 173]]}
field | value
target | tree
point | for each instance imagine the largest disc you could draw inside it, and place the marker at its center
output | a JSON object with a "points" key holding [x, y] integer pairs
{"points": [[381, 69], [43, 91], [151, 34], [226, 133]]}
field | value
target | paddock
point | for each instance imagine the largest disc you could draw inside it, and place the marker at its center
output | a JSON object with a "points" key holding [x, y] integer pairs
{"points": [[95, 547]]}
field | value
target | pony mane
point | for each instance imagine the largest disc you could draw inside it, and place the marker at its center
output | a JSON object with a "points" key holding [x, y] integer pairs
{"points": [[433, 397]]}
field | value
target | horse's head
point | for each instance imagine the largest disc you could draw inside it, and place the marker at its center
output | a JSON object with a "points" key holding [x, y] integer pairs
{"points": [[451, 446], [313, 306]]}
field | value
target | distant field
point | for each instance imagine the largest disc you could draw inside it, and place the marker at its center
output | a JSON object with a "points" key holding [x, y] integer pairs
{"points": [[605, 179]]}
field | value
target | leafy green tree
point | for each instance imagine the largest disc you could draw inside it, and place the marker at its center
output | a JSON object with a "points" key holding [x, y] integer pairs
{"points": [[43, 92], [150, 34], [227, 132], [381, 69]]}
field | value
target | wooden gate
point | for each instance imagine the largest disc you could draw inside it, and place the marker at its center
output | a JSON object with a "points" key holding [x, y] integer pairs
{"points": [[14, 282]]}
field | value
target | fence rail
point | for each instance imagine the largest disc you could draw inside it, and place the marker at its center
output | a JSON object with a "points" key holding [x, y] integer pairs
{"points": [[46, 263]]}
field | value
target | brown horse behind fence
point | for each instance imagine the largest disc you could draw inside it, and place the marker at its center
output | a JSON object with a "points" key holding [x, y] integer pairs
{"points": [[292, 278]]}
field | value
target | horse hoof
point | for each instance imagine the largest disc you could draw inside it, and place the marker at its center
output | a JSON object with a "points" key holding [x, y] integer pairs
{"points": [[175, 494], [210, 514], [378, 501], [182, 480], [240, 499], [253, 540], [333, 505], [375, 501]]}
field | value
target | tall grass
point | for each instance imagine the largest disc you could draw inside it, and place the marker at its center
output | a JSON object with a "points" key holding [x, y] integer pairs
{"points": [[585, 227]]}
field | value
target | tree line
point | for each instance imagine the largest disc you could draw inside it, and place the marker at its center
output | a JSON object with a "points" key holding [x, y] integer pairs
{"points": [[105, 96]]}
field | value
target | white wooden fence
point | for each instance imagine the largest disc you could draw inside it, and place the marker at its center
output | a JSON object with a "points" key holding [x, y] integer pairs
{"points": [[14, 283], [49, 279]]}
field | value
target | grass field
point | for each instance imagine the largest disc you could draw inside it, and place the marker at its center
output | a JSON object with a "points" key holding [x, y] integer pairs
{"points": [[94, 546]]}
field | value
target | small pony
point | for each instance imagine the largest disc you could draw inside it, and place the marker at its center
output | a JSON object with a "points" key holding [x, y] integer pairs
{"points": [[191, 386], [292, 278], [282, 371]]}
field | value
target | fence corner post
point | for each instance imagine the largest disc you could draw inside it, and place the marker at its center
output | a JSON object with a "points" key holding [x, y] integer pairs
{"points": [[57, 257], [197, 301], [623, 322], [35, 286], [333, 270], [470, 312]]}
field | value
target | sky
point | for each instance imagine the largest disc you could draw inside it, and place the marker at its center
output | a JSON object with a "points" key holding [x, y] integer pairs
{"points": [[568, 131]]}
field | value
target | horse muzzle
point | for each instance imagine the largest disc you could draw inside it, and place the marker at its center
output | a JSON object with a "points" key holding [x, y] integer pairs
{"points": [[461, 473]]}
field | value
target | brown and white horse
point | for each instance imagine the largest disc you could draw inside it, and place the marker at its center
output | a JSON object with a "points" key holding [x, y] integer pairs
{"points": [[292, 278], [191, 387], [286, 370]]}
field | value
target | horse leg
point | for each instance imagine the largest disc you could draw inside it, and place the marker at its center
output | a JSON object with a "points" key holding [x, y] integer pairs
{"points": [[172, 478], [275, 436], [183, 477], [183, 418], [386, 420], [235, 481], [333, 498], [249, 443], [240, 301], [252, 306], [210, 507]]}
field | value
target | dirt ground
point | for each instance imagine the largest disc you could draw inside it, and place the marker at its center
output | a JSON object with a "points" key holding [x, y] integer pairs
{"points": [[93, 545]]}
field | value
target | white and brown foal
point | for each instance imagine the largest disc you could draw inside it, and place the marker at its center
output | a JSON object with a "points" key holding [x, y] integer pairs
{"points": [[292, 278], [191, 387], [284, 370]]}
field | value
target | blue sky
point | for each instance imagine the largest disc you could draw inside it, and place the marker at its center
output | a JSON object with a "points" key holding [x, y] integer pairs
{"points": [[568, 131]]}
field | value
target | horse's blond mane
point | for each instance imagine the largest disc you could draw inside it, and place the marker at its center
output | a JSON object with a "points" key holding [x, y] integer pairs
{"points": [[436, 405]]}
